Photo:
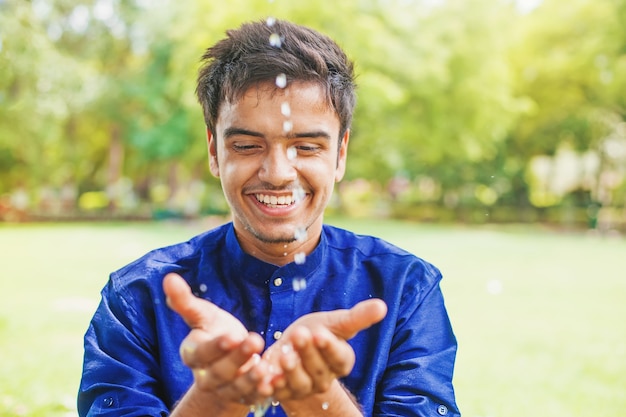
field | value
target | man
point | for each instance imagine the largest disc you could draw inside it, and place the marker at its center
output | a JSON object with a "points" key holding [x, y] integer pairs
{"points": [[275, 308]]}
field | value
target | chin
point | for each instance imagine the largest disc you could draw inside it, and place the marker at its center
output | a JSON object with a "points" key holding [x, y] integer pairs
{"points": [[275, 236]]}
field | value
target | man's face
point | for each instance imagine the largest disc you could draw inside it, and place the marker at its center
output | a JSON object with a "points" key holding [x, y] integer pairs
{"points": [[277, 156]]}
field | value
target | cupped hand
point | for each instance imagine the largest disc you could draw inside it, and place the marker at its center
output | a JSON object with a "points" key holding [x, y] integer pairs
{"points": [[223, 356], [314, 351]]}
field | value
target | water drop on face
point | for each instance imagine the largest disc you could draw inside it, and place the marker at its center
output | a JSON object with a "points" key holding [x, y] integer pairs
{"points": [[287, 126], [299, 284], [298, 194], [300, 258], [275, 40], [291, 153], [285, 109], [324, 406], [281, 81], [300, 234]]}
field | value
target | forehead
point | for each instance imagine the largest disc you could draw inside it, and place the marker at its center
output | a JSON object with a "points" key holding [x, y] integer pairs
{"points": [[297, 99]]}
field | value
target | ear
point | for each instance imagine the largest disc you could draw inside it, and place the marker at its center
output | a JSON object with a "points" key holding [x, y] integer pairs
{"points": [[342, 156], [212, 148]]}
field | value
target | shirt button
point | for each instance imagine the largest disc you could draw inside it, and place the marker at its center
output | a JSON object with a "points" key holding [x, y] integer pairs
{"points": [[442, 410], [278, 282], [277, 334]]}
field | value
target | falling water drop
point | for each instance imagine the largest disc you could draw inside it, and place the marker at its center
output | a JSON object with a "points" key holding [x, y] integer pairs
{"points": [[270, 21], [203, 287], [291, 153], [285, 109], [300, 258], [281, 81], [299, 284], [300, 234], [298, 194], [275, 40], [287, 126], [325, 406]]}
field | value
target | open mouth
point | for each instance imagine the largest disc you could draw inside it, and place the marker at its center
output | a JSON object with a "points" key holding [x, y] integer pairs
{"points": [[275, 201]]}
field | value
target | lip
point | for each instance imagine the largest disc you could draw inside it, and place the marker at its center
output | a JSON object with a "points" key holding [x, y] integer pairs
{"points": [[278, 209]]}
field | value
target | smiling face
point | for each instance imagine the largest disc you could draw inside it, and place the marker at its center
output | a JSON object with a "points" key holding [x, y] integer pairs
{"points": [[277, 155]]}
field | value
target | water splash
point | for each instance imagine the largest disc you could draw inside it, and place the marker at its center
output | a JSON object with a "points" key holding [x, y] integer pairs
{"points": [[259, 410]]}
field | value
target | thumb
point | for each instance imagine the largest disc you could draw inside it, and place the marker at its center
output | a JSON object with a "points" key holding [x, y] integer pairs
{"points": [[196, 312], [347, 323]]}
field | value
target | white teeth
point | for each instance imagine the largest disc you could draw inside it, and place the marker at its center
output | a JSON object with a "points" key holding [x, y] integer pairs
{"points": [[272, 200]]}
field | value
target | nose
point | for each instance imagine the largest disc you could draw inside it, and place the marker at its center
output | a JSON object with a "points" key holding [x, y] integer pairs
{"points": [[277, 169]]}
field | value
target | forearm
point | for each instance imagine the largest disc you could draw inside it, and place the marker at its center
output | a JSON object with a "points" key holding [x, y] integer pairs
{"points": [[336, 402], [199, 403]]}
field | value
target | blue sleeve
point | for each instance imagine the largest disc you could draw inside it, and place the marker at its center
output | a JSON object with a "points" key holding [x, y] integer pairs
{"points": [[418, 376], [120, 370]]}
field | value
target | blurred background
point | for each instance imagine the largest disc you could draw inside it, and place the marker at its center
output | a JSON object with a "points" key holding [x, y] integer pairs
{"points": [[469, 110], [489, 138]]}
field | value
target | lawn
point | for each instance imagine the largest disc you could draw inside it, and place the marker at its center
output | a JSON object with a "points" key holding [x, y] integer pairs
{"points": [[540, 315]]}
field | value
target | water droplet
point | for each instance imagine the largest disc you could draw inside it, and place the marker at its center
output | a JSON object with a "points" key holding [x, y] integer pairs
{"points": [[300, 258], [275, 40], [299, 284], [325, 406], [285, 109], [300, 234], [203, 287], [494, 287], [284, 253], [281, 81], [298, 194], [270, 21], [291, 153], [287, 126], [275, 403]]}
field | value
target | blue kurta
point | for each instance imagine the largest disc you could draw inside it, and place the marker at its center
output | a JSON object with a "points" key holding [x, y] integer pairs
{"points": [[403, 365]]}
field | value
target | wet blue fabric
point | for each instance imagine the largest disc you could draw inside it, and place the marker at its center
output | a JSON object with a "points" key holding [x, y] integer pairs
{"points": [[404, 364]]}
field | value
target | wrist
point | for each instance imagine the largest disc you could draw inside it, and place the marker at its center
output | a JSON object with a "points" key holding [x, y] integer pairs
{"points": [[202, 403]]}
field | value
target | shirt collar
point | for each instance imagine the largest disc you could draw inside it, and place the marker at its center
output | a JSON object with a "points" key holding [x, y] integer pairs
{"points": [[256, 270]]}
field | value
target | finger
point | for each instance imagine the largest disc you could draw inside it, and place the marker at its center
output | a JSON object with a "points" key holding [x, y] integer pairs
{"points": [[347, 323], [337, 353], [249, 387], [300, 365], [200, 349], [224, 370], [196, 312]]}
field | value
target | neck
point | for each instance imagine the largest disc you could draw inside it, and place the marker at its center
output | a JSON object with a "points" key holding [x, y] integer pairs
{"points": [[280, 253]]}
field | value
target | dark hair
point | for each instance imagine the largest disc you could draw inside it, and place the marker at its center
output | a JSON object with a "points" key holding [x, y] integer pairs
{"points": [[260, 51]]}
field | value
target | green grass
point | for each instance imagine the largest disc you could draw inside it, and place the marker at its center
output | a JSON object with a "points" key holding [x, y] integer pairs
{"points": [[539, 315]]}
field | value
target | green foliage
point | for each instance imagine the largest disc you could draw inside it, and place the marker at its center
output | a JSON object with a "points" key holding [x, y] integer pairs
{"points": [[466, 93]]}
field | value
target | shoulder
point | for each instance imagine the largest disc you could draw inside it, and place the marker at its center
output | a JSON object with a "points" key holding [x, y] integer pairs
{"points": [[180, 258], [379, 253]]}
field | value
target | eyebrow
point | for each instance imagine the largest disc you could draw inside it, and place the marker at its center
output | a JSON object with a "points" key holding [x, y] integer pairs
{"points": [[234, 131]]}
